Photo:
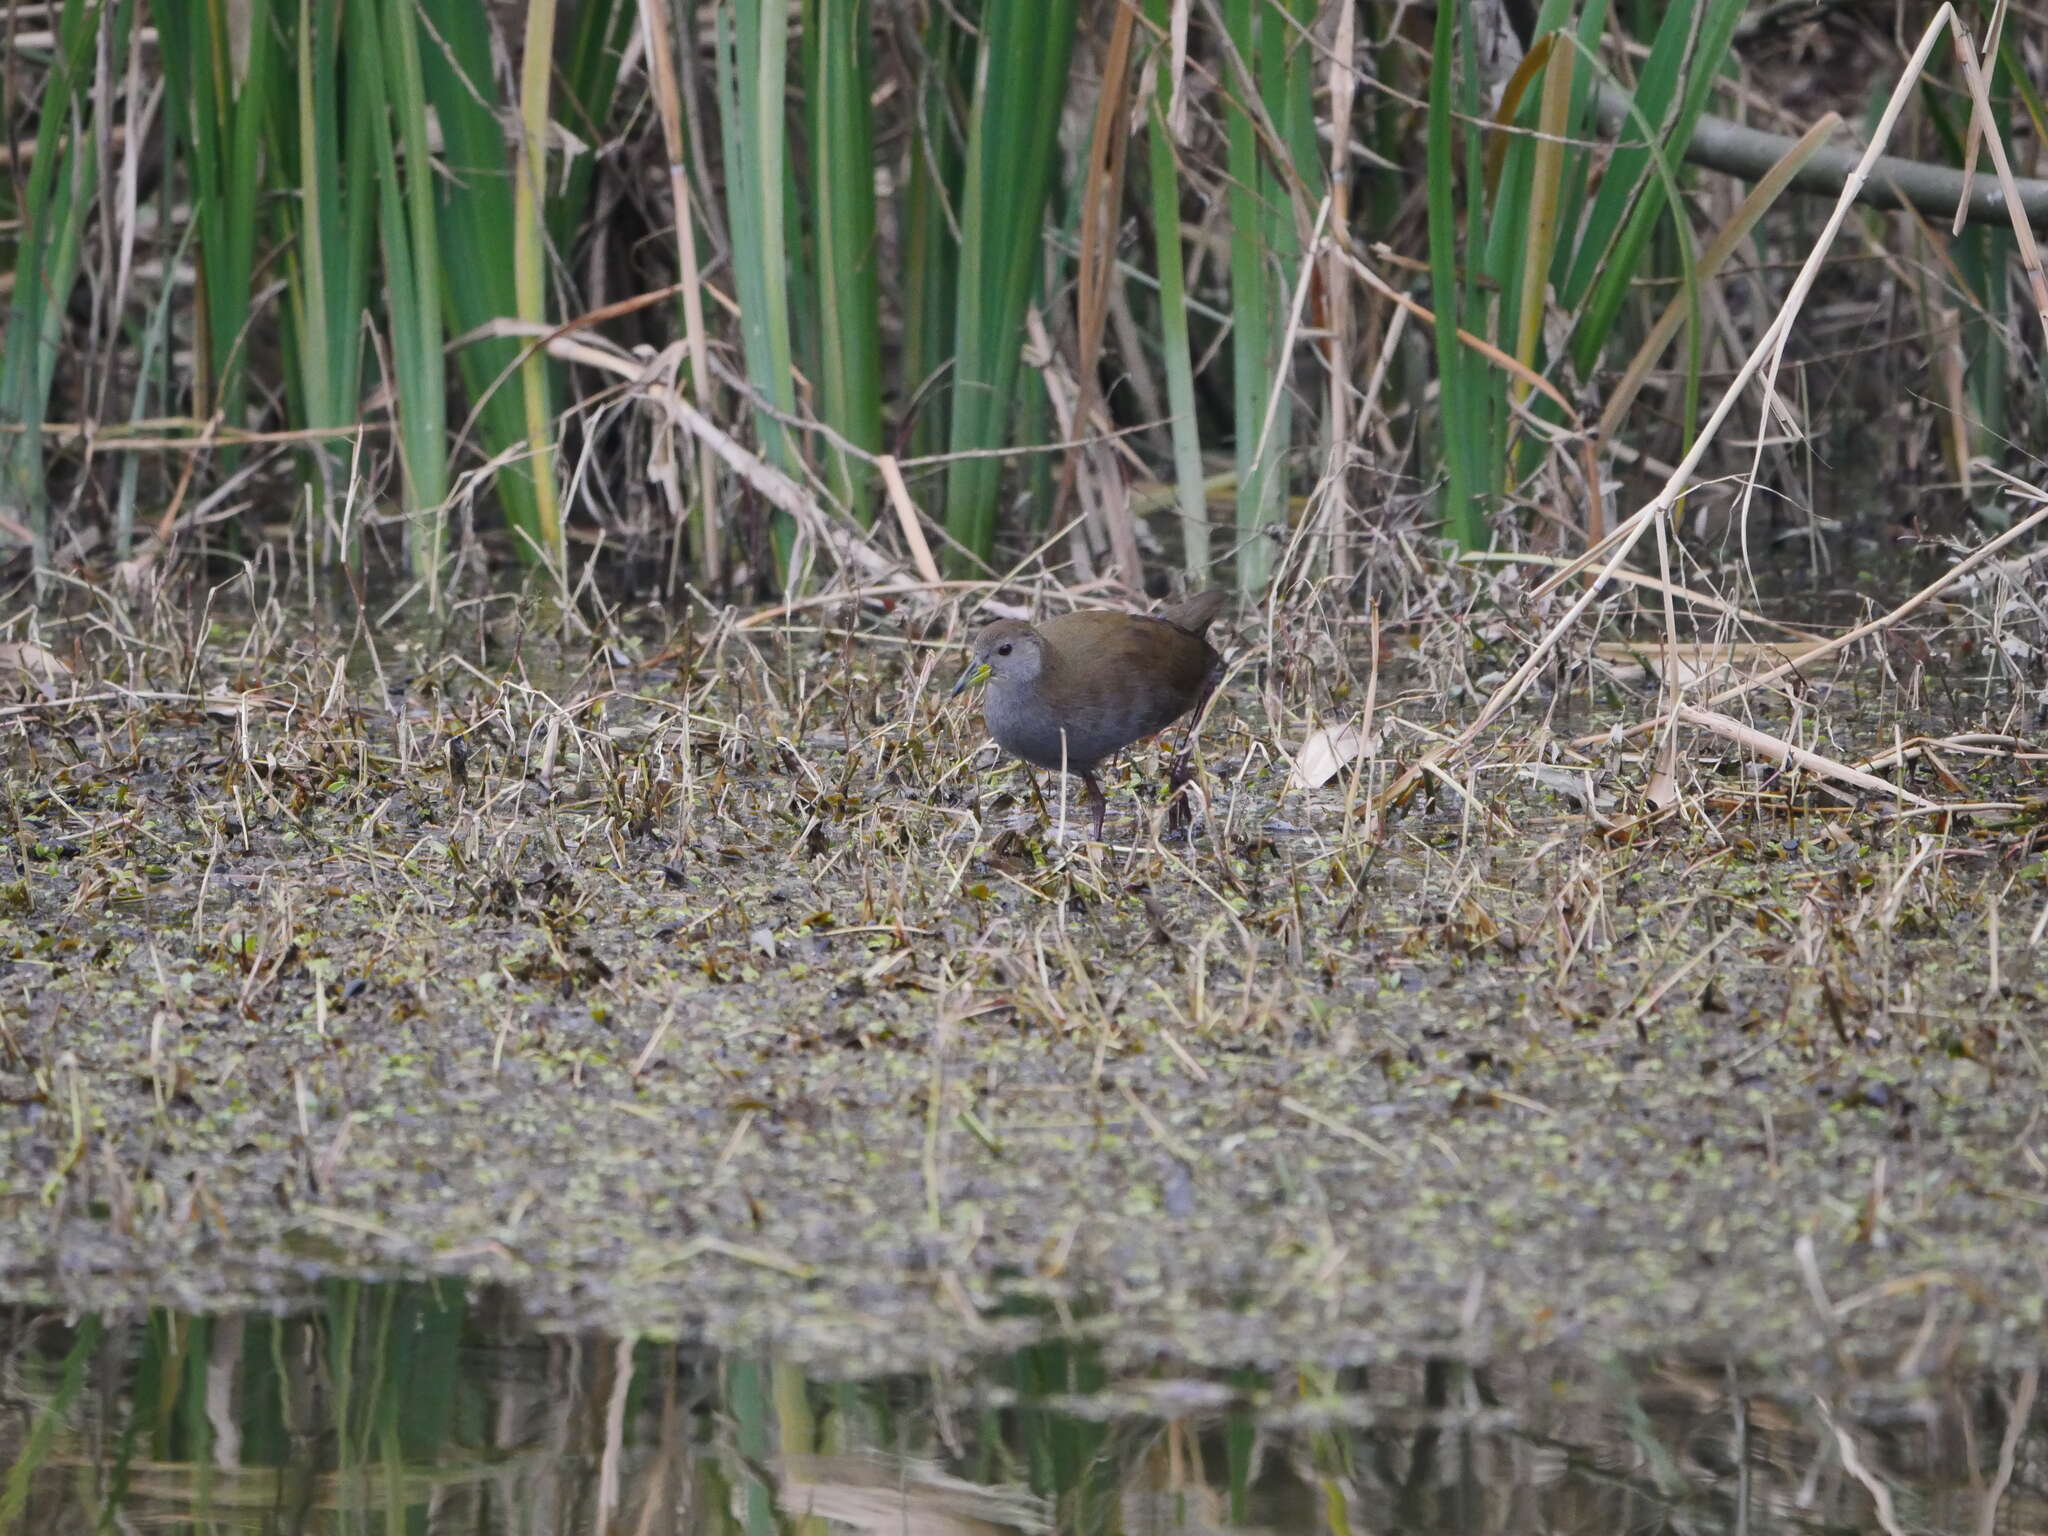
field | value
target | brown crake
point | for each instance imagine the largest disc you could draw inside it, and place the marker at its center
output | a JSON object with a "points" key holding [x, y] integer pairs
{"points": [[1071, 691]]}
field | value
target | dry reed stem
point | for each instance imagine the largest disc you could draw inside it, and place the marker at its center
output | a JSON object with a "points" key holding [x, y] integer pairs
{"points": [[1877, 625], [1779, 750], [906, 518], [1980, 122], [1765, 357], [2019, 1409], [846, 542], [1711, 260], [2022, 230], [668, 102], [1968, 743], [1096, 276], [1693, 595]]}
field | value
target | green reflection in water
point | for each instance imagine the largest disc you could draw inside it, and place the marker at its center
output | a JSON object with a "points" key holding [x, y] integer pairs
{"points": [[423, 1409]]}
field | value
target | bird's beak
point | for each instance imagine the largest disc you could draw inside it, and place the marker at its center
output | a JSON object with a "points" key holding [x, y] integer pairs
{"points": [[976, 673]]}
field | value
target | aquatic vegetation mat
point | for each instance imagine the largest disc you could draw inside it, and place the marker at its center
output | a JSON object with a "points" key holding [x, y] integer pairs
{"points": [[714, 980]]}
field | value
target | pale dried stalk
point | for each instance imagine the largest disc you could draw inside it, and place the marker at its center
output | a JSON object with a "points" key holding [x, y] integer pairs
{"points": [[656, 383], [2022, 230], [1778, 750], [1979, 123], [668, 99], [906, 517], [1766, 356], [1101, 196]]}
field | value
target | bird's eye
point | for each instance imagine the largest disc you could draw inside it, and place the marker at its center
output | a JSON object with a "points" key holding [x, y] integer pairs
{"points": [[1002, 650]]}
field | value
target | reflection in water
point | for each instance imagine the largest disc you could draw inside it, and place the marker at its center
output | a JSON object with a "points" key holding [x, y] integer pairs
{"points": [[420, 1409]]}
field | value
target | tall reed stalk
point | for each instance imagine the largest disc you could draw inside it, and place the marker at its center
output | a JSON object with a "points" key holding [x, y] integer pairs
{"points": [[1191, 495], [62, 181], [388, 184], [1269, 127], [384, 43], [930, 219], [1539, 257], [529, 273], [327, 230], [753, 69], [1464, 401], [838, 83], [219, 70], [1019, 90], [479, 223]]}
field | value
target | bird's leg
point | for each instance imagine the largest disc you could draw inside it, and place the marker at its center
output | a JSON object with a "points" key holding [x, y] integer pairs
{"points": [[1179, 815], [1096, 801], [1178, 774]]}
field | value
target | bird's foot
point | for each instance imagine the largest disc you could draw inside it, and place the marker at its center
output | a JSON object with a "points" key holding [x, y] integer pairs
{"points": [[1183, 789]]}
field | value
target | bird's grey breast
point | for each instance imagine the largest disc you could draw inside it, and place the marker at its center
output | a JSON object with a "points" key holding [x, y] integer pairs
{"points": [[1020, 720]]}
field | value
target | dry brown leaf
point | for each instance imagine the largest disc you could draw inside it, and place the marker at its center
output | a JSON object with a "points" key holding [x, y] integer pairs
{"points": [[1325, 754], [1581, 786], [31, 660]]}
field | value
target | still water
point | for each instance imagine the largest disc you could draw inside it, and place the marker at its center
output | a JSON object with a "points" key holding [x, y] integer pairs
{"points": [[428, 1409]]}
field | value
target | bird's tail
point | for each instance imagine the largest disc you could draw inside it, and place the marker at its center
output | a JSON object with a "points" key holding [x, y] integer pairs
{"points": [[1195, 614]]}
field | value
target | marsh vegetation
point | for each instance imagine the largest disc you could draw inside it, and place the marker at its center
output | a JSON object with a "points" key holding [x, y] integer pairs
{"points": [[493, 499]]}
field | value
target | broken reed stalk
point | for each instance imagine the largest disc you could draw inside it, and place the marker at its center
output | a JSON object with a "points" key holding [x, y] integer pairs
{"points": [[1882, 622], [654, 27], [1766, 357]]}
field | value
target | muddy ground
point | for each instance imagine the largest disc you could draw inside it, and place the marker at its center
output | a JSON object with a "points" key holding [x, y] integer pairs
{"points": [[721, 983]]}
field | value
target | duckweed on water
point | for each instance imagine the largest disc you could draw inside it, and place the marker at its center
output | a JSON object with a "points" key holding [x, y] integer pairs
{"points": [[725, 986]]}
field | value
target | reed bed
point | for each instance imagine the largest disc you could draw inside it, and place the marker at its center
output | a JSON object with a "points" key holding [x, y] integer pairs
{"points": [[317, 276]]}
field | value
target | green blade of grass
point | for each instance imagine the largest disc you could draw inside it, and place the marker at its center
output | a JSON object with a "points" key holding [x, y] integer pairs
{"points": [[475, 223], [61, 182], [753, 62], [35, 1448], [1020, 89], [1251, 293], [326, 229], [842, 134], [1191, 493], [218, 78], [587, 81], [1271, 156], [529, 274], [930, 222], [384, 44], [1684, 62], [1459, 409]]}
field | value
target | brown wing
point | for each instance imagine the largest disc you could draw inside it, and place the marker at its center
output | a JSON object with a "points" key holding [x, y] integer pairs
{"points": [[1120, 647], [1144, 672]]}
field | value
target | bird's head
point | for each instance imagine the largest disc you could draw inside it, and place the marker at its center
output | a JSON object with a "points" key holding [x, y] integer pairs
{"points": [[1009, 651]]}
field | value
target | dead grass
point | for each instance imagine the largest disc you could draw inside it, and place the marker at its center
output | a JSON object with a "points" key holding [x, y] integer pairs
{"points": [[707, 971]]}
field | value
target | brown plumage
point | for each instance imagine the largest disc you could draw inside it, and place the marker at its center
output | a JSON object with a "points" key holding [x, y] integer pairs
{"points": [[1071, 691]]}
